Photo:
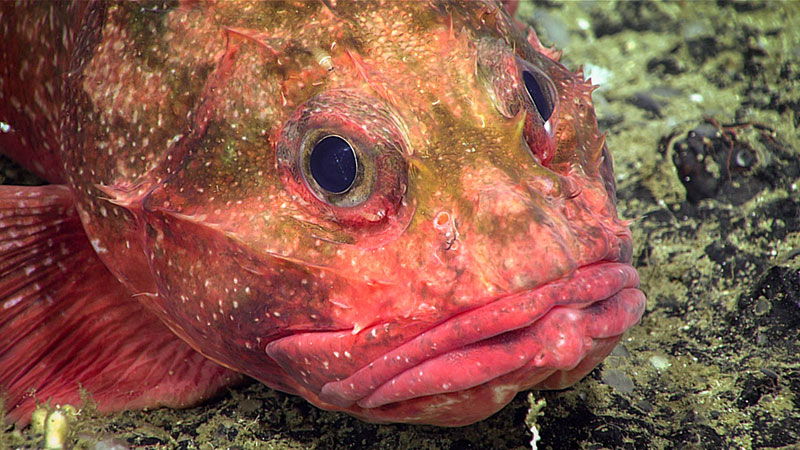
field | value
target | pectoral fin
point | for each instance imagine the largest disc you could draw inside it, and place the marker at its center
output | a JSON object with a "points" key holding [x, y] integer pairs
{"points": [[66, 323]]}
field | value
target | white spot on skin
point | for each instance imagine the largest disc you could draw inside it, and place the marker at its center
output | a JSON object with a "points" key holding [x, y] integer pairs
{"points": [[12, 302], [98, 247]]}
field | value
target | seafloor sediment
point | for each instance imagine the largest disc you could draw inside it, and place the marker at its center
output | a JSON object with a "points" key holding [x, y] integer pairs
{"points": [[716, 223]]}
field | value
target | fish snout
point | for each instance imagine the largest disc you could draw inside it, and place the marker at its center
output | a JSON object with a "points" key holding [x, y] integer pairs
{"points": [[515, 230]]}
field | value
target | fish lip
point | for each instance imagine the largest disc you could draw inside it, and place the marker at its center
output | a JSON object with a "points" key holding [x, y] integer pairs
{"points": [[375, 384]]}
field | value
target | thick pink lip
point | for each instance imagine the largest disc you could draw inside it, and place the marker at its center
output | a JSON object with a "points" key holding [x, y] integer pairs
{"points": [[547, 337], [551, 327]]}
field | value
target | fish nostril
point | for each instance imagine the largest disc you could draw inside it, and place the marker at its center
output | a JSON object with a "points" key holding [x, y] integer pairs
{"points": [[441, 220], [446, 224]]}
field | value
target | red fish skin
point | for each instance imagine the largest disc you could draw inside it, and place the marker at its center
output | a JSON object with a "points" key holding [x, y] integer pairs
{"points": [[181, 133]]}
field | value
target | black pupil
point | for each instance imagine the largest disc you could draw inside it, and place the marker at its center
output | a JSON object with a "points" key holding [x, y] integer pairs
{"points": [[537, 95], [333, 164]]}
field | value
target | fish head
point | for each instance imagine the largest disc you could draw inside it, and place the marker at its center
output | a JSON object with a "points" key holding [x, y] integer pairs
{"points": [[400, 210]]}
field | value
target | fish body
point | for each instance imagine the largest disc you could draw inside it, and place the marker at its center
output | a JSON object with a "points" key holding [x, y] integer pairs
{"points": [[400, 210]]}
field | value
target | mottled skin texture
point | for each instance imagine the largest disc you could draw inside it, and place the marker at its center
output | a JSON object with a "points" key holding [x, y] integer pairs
{"points": [[480, 254]]}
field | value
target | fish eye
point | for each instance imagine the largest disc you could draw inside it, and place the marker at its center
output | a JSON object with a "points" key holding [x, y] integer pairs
{"points": [[339, 169], [537, 95], [333, 164]]}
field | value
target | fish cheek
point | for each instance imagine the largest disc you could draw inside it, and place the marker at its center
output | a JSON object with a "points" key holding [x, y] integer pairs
{"points": [[226, 301], [229, 259]]}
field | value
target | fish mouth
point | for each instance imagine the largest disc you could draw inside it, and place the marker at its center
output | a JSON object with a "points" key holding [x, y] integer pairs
{"points": [[529, 339]]}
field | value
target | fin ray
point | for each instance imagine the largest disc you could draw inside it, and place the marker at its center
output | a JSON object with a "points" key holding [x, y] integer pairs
{"points": [[66, 322]]}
